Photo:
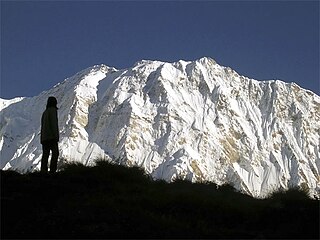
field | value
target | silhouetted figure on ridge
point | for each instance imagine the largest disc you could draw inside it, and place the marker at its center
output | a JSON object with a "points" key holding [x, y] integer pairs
{"points": [[50, 136]]}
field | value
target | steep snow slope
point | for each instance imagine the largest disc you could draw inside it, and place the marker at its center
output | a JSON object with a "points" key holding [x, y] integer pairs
{"points": [[196, 120]]}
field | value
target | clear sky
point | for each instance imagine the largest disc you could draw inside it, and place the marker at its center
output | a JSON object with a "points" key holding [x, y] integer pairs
{"points": [[44, 42]]}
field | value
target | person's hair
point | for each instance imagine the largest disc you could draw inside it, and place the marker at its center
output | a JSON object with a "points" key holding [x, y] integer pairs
{"points": [[52, 102]]}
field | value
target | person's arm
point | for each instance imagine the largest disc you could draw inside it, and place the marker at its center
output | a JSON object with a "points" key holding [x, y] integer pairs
{"points": [[54, 124]]}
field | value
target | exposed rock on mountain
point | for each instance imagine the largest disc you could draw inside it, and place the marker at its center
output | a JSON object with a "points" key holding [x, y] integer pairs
{"points": [[197, 120]]}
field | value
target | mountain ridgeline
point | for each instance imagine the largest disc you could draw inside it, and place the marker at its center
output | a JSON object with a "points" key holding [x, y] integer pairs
{"points": [[193, 120]]}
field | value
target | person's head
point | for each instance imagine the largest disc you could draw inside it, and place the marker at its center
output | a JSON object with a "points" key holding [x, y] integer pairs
{"points": [[52, 102]]}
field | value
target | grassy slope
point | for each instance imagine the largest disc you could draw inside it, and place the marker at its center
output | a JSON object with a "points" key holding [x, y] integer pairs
{"points": [[109, 201]]}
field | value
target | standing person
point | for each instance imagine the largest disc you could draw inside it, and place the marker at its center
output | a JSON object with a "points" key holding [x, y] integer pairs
{"points": [[50, 136]]}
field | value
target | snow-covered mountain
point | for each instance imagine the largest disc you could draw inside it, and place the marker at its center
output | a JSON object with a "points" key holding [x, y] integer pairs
{"points": [[197, 120]]}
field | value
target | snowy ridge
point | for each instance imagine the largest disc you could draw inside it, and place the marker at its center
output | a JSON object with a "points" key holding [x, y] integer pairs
{"points": [[196, 120]]}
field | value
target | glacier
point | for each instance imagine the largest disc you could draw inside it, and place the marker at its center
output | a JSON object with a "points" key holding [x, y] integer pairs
{"points": [[195, 120]]}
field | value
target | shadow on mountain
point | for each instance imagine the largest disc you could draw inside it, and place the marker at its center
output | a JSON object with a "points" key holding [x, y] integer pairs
{"points": [[112, 201]]}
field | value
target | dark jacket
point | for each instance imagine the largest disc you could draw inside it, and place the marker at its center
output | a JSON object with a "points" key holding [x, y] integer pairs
{"points": [[49, 125]]}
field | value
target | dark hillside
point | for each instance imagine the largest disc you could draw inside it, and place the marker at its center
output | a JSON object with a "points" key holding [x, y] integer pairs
{"points": [[111, 201]]}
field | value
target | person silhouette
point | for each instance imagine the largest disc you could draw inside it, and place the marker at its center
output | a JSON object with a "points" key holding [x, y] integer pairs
{"points": [[50, 136]]}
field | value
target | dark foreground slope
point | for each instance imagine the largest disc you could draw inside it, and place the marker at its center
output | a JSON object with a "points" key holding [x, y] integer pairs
{"points": [[109, 201]]}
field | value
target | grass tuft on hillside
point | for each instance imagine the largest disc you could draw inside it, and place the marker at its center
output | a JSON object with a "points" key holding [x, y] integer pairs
{"points": [[112, 201]]}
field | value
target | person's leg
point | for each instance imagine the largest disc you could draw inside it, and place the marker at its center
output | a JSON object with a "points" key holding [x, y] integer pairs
{"points": [[45, 156], [54, 157]]}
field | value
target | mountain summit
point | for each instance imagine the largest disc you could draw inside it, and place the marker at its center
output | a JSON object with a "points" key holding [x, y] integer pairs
{"points": [[189, 119]]}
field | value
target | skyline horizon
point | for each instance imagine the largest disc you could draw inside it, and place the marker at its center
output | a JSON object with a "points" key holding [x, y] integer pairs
{"points": [[186, 60]]}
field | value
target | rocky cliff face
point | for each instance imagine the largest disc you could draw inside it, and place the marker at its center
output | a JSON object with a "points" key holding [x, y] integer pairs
{"points": [[197, 120]]}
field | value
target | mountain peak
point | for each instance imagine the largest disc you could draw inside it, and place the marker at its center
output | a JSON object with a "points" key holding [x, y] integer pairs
{"points": [[189, 119]]}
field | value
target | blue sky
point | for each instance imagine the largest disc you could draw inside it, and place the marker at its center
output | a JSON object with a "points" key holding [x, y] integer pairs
{"points": [[44, 42]]}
